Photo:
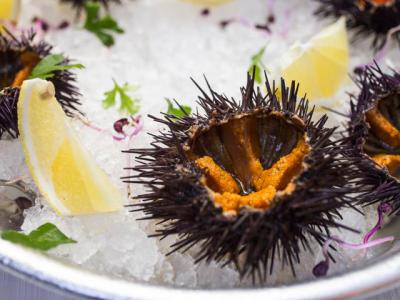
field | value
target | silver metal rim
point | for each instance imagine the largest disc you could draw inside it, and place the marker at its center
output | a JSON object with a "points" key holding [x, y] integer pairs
{"points": [[45, 270]]}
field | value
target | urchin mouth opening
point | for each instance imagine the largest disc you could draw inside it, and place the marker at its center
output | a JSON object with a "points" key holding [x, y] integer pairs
{"points": [[248, 159], [383, 140], [16, 66]]}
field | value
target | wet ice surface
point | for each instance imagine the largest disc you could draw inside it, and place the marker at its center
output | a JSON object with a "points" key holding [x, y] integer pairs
{"points": [[165, 43]]}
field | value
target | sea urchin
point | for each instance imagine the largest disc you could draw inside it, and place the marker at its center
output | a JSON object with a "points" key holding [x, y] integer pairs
{"points": [[375, 124], [18, 57], [366, 17], [246, 181]]}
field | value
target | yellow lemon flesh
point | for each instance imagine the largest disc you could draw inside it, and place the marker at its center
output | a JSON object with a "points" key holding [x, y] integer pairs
{"points": [[321, 65], [65, 172], [208, 2], [9, 10]]}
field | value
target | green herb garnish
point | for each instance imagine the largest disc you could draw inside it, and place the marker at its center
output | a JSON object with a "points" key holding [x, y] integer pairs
{"points": [[50, 64], [44, 238], [180, 111], [128, 104], [257, 66], [102, 27]]}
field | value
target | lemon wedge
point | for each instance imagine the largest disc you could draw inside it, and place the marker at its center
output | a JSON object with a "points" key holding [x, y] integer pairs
{"points": [[9, 9], [321, 65], [65, 172], [207, 2]]}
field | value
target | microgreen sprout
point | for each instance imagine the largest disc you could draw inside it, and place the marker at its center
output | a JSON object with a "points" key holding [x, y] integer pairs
{"points": [[128, 103], [102, 27]]}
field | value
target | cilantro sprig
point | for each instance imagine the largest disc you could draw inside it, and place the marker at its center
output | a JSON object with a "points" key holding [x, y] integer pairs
{"points": [[257, 66], [50, 64], [102, 27], [179, 111], [44, 238], [128, 103]]}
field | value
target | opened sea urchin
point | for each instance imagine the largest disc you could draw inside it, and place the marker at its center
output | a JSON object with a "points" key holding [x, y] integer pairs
{"points": [[18, 57], [376, 17], [375, 122], [247, 181]]}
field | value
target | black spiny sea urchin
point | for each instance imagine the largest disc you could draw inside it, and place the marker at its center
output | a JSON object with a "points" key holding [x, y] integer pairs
{"points": [[375, 124], [18, 57], [247, 181], [366, 17]]}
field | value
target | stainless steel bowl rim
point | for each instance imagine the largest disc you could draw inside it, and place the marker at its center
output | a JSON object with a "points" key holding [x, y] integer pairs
{"points": [[43, 269]]}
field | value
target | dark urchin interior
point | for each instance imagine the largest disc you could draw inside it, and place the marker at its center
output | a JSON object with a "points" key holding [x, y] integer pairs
{"points": [[364, 17], [12, 50], [251, 239]]}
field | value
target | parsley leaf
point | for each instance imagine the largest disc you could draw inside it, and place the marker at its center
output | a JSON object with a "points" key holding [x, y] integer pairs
{"points": [[257, 66], [50, 64], [102, 27], [180, 111], [128, 104], [44, 238]]}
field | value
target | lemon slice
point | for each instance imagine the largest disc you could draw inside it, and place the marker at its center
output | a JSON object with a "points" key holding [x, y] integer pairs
{"points": [[9, 9], [207, 2], [65, 172], [321, 65]]}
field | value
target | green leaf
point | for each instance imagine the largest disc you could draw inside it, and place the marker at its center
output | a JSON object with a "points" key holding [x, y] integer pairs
{"points": [[128, 104], [257, 66], [102, 27], [180, 111], [44, 238], [50, 64]]}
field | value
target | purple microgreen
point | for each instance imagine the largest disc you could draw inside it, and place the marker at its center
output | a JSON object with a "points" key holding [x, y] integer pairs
{"points": [[120, 124], [205, 12], [383, 209], [126, 128], [321, 269], [128, 103], [63, 25]]}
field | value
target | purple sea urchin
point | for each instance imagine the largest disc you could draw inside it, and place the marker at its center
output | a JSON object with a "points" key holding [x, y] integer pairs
{"points": [[247, 181], [18, 57], [375, 124], [366, 17]]}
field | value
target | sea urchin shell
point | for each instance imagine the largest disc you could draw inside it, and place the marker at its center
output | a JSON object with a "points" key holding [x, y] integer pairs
{"points": [[366, 17], [18, 57], [375, 124], [247, 181]]}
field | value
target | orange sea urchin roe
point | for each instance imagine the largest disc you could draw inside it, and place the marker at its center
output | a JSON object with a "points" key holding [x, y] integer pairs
{"points": [[362, 3], [389, 134], [266, 182], [389, 161], [28, 60], [382, 128]]}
